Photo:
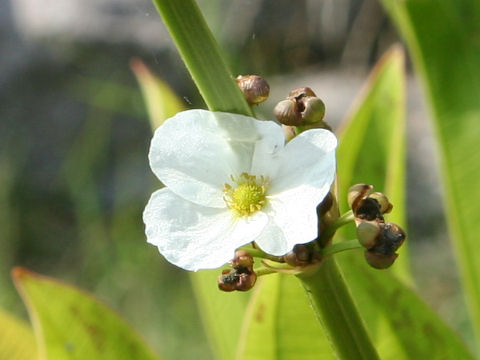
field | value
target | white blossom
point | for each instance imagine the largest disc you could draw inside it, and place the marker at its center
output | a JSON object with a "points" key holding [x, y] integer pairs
{"points": [[231, 180]]}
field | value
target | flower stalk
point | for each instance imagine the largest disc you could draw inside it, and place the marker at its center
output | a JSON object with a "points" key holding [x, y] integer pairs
{"points": [[334, 308]]}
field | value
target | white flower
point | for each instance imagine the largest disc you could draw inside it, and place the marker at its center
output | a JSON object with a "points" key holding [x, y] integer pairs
{"points": [[231, 180]]}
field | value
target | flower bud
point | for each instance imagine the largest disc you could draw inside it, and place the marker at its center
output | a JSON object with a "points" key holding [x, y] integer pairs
{"points": [[356, 193], [240, 279], [246, 281], [302, 92], [254, 88], [242, 259], [385, 205], [301, 255], [227, 281], [314, 110], [391, 238], [287, 113], [367, 233], [379, 261]]}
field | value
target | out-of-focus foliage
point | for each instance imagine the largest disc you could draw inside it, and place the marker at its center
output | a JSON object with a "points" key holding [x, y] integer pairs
{"points": [[16, 339], [443, 37], [70, 324]]}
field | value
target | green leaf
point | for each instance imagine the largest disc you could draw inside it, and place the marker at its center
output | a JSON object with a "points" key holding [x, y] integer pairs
{"points": [[16, 339], [280, 324], [71, 324], [401, 324], [222, 313], [443, 38], [201, 55], [160, 100]]}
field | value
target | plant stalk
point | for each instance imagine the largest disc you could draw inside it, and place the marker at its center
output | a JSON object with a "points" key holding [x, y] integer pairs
{"points": [[202, 56], [336, 311]]}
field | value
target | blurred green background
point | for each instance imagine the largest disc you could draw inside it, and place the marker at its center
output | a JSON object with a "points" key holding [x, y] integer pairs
{"points": [[74, 137]]}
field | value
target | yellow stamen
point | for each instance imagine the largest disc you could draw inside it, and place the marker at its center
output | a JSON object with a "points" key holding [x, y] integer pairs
{"points": [[248, 194]]}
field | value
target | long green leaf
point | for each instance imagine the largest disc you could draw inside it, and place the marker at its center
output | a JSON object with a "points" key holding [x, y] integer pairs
{"points": [[160, 100], [201, 55], [16, 339], [402, 325], [280, 324], [442, 36], [70, 324]]}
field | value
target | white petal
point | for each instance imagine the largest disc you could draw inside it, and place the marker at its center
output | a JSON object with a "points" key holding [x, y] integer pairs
{"points": [[305, 174], [307, 160], [272, 240], [195, 152], [196, 237]]}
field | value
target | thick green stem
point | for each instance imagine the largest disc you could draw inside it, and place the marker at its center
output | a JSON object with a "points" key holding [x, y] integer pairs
{"points": [[201, 55], [333, 227], [336, 311]]}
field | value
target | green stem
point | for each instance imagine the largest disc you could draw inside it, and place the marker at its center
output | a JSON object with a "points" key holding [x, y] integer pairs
{"points": [[333, 227], [341, 246], [260, 254], [336, 311], [201, 55]]}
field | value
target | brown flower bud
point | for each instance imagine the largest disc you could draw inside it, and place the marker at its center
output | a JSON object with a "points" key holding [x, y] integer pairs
{"points": [[287, 113], [242, 259], [301, 92], [301, 255], [357, 193], [254, 88], [227, 281], [240, 279], [313, 110], [385, 205], [367, 233], [391, 238], [379, 261]]}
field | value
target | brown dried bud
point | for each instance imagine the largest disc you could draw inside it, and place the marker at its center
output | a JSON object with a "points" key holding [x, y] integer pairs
{"points": [[379, 261], [367, 233], [313, 110], [287, 113], [254, 88], [301, 255], [391, 238], [356, 193], [301, 92], [385, 205], [242, 259], [240, 279]]}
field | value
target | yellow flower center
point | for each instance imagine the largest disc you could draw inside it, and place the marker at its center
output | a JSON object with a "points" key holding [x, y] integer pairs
{"points": [[247, 196]]}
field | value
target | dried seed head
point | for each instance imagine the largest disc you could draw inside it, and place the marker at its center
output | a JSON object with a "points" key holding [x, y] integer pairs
{"points": [[287, 113], [254, 88], [385, 205]]}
